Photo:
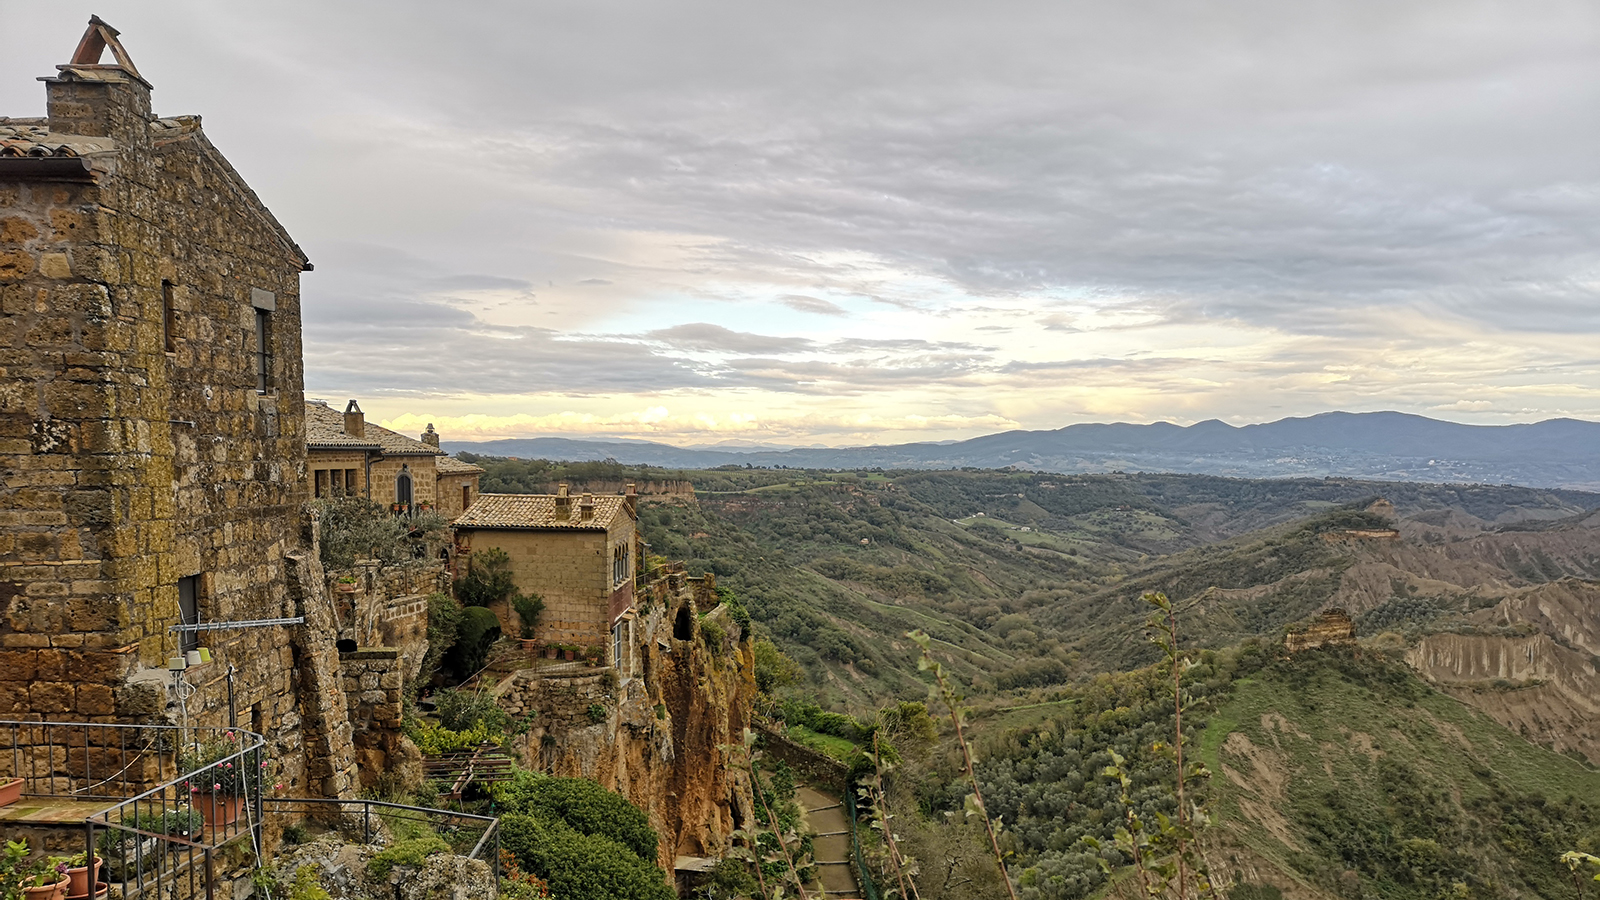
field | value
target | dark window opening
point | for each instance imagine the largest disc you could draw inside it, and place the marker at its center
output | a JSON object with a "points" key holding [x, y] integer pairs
{"points": [[169, 318], [402, 489], [319, 483], [683, 624], [263, 351], [351, 487], [189, 611], [466, 496]]}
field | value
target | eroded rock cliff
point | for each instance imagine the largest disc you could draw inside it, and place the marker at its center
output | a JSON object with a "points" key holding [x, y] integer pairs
{"points": [[665, 728]]}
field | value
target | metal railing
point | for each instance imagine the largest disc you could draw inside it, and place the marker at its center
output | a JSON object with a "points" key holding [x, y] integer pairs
{"points": [[166, 839], [87, 761], [468, 834], [167, 827]]}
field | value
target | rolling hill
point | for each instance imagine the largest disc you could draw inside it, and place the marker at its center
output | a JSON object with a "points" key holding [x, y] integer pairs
{"points": [[1380, 445]]}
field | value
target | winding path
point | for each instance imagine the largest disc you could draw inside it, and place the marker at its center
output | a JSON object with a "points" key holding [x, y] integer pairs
{"points": [[830, 846]]}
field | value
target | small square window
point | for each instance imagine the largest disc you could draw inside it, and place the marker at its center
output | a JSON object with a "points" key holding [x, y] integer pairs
{"points": [[189, 611]]}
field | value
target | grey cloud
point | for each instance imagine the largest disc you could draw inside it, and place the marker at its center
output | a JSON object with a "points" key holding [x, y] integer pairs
{"points": [[802, 303], [1294, 167], [476, 283], [594, 281], [703, 336]]}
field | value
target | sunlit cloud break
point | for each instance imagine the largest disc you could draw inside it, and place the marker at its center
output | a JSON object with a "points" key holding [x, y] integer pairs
{"points": [[660, 423]]}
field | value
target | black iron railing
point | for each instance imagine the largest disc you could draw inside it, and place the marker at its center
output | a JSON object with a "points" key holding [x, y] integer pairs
{"points": [[85, 761], [166, 838]]}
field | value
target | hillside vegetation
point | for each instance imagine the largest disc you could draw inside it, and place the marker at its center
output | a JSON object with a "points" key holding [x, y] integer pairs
{"points": [[1024, 580], [1334, 773]]}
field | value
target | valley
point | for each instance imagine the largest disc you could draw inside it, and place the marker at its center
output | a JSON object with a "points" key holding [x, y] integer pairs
{"points": [[1450, 747]]}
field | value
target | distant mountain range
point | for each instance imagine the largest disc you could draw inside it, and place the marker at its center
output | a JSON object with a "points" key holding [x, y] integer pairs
{"points": [[1383, 445]]}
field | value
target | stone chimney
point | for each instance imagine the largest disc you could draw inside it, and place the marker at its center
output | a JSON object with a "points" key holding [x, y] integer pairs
{"points": [[563, 503], [355, 421], [97, 100], [586, 507], [630, 500], [431, 437]]}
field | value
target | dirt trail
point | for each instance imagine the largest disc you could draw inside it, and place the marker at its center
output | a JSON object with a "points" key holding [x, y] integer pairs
{"points": [[831, 846]]}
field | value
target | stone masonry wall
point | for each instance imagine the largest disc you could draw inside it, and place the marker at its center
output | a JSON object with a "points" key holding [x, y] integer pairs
{"points": [[570, 569], [389, 606], [449, 494], [386, 470], [132, 461], [373, 685]]}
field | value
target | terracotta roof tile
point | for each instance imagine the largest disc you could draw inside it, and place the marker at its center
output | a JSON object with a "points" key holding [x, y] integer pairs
{"points": [[33, 137], [449, 465], [538, 511], [325, 431]]}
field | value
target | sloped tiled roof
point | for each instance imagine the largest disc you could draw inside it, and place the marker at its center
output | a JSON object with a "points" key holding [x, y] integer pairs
{"points": [[325, 431], [449, 465], [538, 511], [33, 137]]}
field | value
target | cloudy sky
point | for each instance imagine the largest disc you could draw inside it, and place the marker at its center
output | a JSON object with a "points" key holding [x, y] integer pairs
{"points": [[837, 223]]}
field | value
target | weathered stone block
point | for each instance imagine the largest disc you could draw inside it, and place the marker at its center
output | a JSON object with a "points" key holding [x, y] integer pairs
{"points": [[52, 697]]}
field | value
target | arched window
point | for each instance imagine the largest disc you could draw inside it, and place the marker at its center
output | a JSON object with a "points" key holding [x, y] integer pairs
{"points": [[402, 487]]}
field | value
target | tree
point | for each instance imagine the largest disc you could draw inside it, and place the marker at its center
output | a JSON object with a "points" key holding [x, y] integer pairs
{"points": [[488, 578]]}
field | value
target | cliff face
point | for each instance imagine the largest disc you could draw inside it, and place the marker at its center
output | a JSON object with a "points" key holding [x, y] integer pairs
{"points": [[667, 730], [1544, 684]]}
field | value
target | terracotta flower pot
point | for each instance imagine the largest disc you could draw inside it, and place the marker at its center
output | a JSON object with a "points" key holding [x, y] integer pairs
{"points": [[10, 791], [218, 809], [81, 878], [55, 891]]}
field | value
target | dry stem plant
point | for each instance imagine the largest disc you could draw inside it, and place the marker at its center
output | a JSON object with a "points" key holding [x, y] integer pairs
{"points": [[953, 702], [1167, 860]]}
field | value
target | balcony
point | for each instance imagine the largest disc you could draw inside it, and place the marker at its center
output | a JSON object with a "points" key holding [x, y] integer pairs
{"points": [[119, 791]]}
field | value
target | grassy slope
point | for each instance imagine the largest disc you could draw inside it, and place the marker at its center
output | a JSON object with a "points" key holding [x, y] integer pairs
{"points": [[1323, 772], [789, 541]]}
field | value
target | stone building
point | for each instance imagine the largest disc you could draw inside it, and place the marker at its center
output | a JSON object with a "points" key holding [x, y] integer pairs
{"points": [[152, 428], [578, 556], [348, 456]]}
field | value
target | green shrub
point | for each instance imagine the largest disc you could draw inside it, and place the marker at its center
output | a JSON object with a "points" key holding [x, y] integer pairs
{"points": [[306, 886], [356, 528], [444, 620], [434, 739], [488, 578], [405, 853], [476, 633], [584, 806], [528, 607], [465, 710], [712, 634], [581, 866], [597, 713]]}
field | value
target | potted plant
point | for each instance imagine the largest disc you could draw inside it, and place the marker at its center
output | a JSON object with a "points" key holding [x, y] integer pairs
{"points": [[221, 777], [13, 861], [10, 791], [347, 584], [46, 879], [83, 873], [127, 853], [593, 653], [528, 607]]}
